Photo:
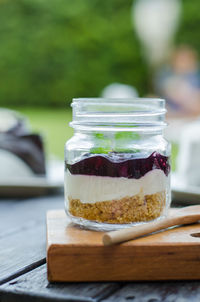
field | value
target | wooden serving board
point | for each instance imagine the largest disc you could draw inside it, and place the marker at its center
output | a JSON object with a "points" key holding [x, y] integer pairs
{"points": [[74, 254]]}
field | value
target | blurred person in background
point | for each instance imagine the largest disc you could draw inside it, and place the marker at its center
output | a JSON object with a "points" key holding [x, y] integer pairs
{"points": [[179, 84]]}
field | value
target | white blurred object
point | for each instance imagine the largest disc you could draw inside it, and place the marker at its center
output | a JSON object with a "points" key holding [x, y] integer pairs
{"points": [[28, 184], [21, 153], [12, 165], [155, 22], [8, 119], [175, 127], [117, 90], [15, 171], [188, 161], [55, 171]]}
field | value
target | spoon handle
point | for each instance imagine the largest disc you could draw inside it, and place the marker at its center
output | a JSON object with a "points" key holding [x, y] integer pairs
{"points": [[113, 237]]}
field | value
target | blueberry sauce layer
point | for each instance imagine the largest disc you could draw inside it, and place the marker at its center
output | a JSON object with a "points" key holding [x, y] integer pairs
{"points": [[102, 165]]}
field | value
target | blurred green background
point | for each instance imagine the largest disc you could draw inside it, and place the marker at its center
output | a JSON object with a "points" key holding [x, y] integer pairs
{"points": [[52, 51]]}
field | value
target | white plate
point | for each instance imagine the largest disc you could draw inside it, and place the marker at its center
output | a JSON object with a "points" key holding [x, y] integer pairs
{"points": [[35, 186], [184, 194]]}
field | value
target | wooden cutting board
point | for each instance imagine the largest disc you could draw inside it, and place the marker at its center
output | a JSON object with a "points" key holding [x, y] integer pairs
{"points": [[74, 254]]}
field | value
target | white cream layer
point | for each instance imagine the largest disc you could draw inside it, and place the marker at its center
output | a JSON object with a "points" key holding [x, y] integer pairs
{"points": [[91, 189]]}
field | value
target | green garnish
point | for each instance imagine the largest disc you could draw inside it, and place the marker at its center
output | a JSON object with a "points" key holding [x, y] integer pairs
{"points": [[103, 144], [99, 150], [126, 136], [121, 150], [99, 135]]}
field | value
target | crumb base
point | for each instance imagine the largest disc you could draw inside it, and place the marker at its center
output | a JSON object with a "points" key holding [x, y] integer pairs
{"points": [[138, 208]]}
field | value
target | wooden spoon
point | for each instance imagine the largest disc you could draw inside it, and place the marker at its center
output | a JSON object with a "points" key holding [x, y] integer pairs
{"points": [[185, 215]]}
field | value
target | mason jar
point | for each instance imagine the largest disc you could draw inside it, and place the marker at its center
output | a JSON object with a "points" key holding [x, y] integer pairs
{"points": [[117, 164]]}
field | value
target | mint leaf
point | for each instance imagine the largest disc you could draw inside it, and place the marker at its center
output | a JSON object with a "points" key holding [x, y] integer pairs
{"points": [[121, 150], [102, 144], [99, 150], [99, 135], [122, 139], [126, 136]]}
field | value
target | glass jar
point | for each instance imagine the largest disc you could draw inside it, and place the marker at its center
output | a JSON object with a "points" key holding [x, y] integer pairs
{"points": [[117, 164]]}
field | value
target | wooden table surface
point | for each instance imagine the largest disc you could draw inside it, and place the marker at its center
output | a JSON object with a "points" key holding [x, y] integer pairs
{"points": [[23, 264]]}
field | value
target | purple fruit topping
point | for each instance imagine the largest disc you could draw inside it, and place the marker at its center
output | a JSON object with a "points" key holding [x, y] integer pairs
{"points": [[130, 168]]}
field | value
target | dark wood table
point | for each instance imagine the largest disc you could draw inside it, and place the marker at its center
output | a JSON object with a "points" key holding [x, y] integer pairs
{"points": [[23, 274]]}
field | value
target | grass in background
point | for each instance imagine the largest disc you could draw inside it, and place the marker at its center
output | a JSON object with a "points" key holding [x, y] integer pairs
{"points": [[53, 124], [175, 149]]}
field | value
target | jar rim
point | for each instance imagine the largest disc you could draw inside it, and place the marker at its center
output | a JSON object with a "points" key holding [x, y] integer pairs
{"points": [[135, 113], [118, 100]]}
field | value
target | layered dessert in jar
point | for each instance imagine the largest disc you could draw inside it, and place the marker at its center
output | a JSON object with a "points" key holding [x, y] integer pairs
{"points": [[118, 188]]}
